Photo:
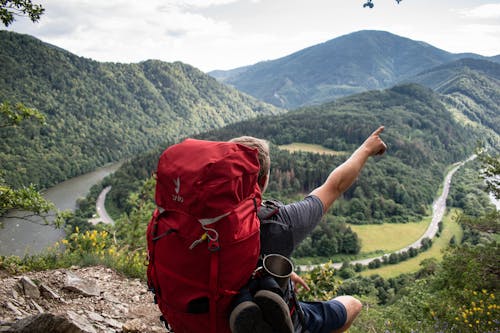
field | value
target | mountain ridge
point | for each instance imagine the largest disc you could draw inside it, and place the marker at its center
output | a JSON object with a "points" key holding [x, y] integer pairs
{"points": [[359, 61], [102, 112], [471, 87]]}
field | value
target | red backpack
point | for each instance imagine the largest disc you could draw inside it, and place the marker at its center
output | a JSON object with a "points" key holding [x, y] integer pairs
{"points": [[203, 239]]}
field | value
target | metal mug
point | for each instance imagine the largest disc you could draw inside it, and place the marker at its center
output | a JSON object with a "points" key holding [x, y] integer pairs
{"points": [[279, 267]]}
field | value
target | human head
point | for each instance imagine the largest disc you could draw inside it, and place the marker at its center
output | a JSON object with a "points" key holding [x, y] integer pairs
{"points": [[263, 154]]}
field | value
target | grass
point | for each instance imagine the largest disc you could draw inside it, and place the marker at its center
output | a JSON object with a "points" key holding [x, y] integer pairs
{"points": [[450, 229], [311, 148], [389, 237]]}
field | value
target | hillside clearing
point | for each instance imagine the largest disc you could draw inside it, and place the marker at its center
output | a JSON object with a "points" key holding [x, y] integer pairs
{"points": [[389, 237], [311, 148], [450, 228]]}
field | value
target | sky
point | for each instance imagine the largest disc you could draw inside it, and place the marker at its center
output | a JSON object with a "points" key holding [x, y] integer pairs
{"points": [[225, 34]]}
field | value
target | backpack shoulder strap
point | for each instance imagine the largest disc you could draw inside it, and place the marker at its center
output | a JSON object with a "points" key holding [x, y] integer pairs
{"points": [[268, 209]]}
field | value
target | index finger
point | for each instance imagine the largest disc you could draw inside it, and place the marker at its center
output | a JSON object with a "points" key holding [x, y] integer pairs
{"points": [[379, 130]]}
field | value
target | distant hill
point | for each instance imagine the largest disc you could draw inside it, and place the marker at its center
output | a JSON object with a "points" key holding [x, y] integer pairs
{"points": [[422, 135], [352, 63], [471, 86], [102, 112]]}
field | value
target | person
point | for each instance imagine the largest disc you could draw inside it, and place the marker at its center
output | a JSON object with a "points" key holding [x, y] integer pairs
{"points": [[295, 221]]}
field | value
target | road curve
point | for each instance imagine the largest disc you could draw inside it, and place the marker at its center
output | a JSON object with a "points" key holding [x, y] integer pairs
{"points": [[438, 210], [102, 214]]}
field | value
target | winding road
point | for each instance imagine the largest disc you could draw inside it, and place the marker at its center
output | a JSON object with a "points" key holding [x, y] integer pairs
{"points": [[438, 210], [102, 214]]}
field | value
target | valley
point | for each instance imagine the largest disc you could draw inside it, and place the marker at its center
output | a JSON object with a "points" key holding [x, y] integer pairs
{"points": [[314, 107]]}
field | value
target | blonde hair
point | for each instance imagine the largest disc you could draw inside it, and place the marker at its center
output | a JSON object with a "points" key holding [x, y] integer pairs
{"points": [[262, 147]]}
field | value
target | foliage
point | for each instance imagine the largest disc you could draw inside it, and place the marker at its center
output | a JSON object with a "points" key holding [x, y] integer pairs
{"points": [[131, 228], [329, 238], [25, 198], [102, 112], [92, 247], [457, 295], [12, 116], [322, 283], [468, 191], [470, 87], [11, 8], [491, 172]]}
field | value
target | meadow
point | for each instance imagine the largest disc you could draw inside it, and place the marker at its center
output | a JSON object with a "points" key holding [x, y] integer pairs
{"points": [[311, 148], [450, 228], [389, 237]]}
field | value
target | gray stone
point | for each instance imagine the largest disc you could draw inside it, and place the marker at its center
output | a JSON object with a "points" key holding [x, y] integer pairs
{"points": [[84, 287], [15, 294], [110, 298], [81, 322], [37, 307], [47, 292], [14, 309], [134, 326], [113, 323], [94, 316], [47, 322], [29, 287]]}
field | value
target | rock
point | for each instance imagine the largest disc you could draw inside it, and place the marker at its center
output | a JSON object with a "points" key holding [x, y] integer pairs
{"points": [[84, 287], [139, 326], [37, 307], [47, 292], [5, 328], [113, 323], [47, 322], [81, 322], [120, 306], [134, 326], [110, 298], [29, 287], [14, 309], [15, 294], [94, 316]]}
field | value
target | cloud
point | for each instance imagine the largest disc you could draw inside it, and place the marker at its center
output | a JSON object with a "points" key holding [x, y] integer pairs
{"points": [[486, 11], [130, 31], [223, 34], [198, 3]]}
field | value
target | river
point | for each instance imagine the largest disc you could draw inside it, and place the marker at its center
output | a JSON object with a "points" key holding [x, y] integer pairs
{"points": [[20, 237]]}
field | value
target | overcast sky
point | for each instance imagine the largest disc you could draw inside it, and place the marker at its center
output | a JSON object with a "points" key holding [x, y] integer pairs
{"points": [[224, 34]]}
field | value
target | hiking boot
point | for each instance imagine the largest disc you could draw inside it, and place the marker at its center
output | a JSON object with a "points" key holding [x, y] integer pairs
{"points": [[275, 311], [247, 318]]}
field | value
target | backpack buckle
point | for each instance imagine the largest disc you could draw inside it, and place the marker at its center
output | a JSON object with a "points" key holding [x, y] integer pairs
{"points": [[213, 246], [213, 239]]}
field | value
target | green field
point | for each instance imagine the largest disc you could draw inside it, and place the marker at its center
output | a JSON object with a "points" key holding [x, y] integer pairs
{"points": [[450, 228], [389, 237], [311, 148]]}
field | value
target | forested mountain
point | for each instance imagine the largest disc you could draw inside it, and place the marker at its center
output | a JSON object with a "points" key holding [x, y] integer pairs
{"points": [[470, 86], [356, 62], [422, 135], [102, 112]]}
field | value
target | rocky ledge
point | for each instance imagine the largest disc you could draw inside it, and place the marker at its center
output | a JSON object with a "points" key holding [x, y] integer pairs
{"points": [[90, 300]]}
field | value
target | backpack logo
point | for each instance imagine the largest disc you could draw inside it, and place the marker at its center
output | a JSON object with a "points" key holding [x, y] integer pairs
{"points": [[176, 196]]}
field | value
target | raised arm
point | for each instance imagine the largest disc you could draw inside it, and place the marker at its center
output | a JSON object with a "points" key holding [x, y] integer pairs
{"points": [[345, 174]]}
